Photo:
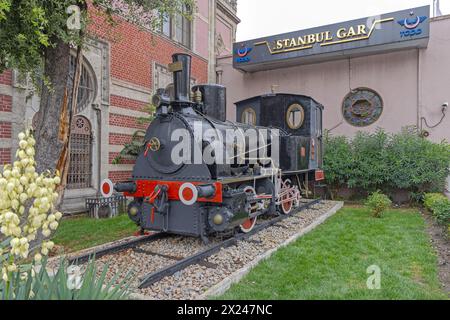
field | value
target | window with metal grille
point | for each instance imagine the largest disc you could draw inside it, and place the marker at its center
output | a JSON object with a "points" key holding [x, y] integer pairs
{"points": [[80, 167], [86, 90]]}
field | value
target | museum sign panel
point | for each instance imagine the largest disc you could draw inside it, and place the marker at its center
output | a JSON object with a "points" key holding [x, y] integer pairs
{"points": [[392, 31]]}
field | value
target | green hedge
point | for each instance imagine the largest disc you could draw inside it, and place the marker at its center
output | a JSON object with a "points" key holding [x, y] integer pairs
{"points": [[439, 205], [383, 161]]}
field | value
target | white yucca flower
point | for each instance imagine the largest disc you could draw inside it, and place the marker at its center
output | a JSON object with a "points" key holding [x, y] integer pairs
{"points": [[27, 212]]}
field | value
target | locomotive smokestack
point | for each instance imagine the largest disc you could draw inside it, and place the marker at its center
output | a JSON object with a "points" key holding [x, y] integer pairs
{"points": [[181, 68]]}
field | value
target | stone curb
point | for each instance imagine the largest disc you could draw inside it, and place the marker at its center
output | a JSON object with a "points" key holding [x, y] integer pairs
{"points": [[225, 284]]}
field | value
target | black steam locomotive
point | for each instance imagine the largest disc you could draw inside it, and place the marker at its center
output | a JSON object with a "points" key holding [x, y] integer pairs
{"points": [[178, 189]]}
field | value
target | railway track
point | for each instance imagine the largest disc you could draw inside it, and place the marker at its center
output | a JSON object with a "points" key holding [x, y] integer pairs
{"points": [[140, 245]]}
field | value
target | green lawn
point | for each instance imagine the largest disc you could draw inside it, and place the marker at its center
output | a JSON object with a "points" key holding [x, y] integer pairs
{"points": [[331, 261], [81, 232]]}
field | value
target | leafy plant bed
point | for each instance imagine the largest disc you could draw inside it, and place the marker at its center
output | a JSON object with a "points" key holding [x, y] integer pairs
{"points": [[331, 262], [441, 243], [81, 232]]}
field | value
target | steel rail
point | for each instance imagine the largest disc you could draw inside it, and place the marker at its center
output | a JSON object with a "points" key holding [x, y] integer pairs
{"points": [[156, 276], [83, 258]]}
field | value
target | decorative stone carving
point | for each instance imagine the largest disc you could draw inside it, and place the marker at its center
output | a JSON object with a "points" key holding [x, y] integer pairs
{"points": [[362, 107]]}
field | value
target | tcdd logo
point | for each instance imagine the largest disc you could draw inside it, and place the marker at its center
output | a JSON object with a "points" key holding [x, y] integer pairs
{"points": [[412, 25], [242, 54]]}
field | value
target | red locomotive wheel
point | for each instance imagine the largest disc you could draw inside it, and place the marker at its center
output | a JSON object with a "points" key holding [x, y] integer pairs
{"points": [[287, 206], [250, 223]]}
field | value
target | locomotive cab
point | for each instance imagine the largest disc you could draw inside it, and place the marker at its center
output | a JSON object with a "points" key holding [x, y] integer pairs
{"points": [[299, 118]]}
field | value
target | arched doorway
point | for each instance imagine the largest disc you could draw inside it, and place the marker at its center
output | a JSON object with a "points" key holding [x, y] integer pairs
{"points": [[81, 136], [80, 167]]}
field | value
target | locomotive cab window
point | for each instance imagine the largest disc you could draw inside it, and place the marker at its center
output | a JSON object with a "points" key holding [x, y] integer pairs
{"points": [[295, 116], [249, 117]]}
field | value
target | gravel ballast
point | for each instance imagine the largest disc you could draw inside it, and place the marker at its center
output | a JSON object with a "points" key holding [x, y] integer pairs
{"points": [[214, 275]]}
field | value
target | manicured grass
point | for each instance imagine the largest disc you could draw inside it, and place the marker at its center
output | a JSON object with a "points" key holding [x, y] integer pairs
{"points": [[81, 232], [331, 261]]}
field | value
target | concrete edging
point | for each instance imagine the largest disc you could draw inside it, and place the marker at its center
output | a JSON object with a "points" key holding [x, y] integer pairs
{"points": [[226, 283]]}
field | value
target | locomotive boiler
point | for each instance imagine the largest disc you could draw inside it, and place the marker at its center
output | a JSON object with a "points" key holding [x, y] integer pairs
{"points": [[200, 174]]}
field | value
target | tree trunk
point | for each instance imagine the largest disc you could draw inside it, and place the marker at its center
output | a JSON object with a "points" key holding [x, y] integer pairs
{"points": [[52, 130], [52, 121]]}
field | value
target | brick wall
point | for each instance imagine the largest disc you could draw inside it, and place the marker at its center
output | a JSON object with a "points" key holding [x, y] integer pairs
{"points": [[117, 176], [5, 103], [6, 77], [5, 156], [133, 53], [113, 155], [126, 122], [127, 103], [5, 130], [119, 138]]}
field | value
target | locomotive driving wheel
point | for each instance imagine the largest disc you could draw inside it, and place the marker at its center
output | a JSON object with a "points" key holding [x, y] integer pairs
{"points": [[250, 223], [286, 205]]}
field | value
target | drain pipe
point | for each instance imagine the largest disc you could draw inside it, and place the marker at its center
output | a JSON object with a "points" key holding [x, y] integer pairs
{"points": [[98, 111], [419, 91]]}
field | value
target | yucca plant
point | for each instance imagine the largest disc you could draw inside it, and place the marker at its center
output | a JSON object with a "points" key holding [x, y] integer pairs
{"points": [[38, 284]]}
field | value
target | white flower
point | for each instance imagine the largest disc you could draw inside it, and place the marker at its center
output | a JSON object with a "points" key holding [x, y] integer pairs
{"points": [[74, 279], [46, 233], [23, 197], [57, 180], [23, 144], [37, 257], [54, 225]]}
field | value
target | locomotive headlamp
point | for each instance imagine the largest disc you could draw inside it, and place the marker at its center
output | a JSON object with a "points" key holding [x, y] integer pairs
{"points": [[160, 100], [134, 211], [218, 219]]}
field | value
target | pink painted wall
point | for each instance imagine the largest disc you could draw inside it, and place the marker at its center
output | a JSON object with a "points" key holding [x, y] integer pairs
{"points": [[435, 84], [203, 7], [226, 32], [393, 75], [202, 28]]}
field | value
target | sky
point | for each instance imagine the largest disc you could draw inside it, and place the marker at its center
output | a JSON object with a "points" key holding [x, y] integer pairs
{"points": [[269, 17]]}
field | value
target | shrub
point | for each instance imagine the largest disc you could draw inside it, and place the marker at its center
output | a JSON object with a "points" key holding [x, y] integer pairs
{"points": [[369, 167], [337, 160], [439, 205], [69, 283], [416, 163], [381, 161], [378, 203], [28, 216]]}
